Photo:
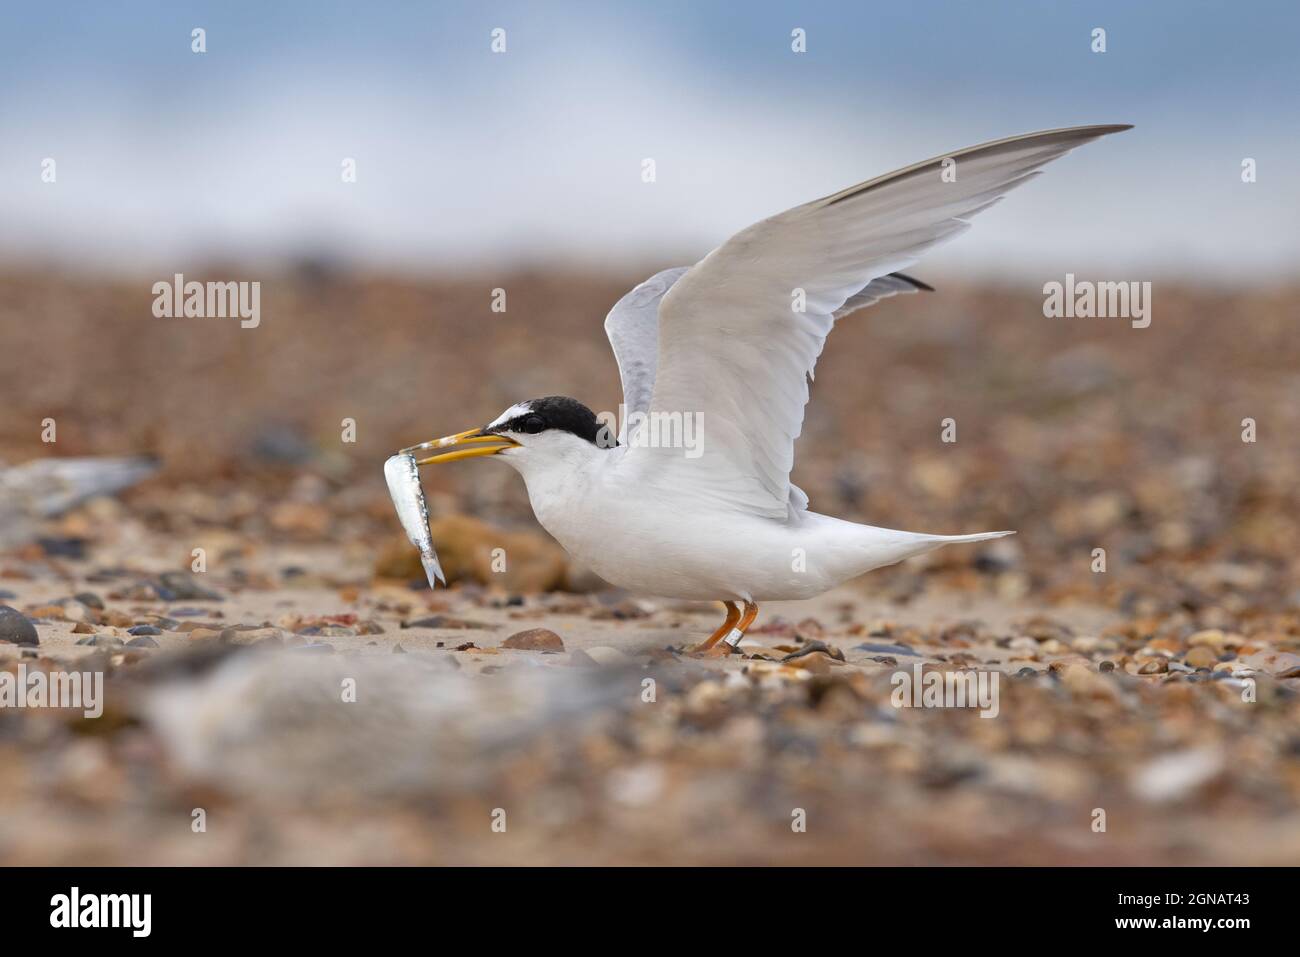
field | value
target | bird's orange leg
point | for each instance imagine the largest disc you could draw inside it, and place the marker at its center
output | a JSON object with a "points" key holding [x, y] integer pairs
{"points": [[733, 616], [747, 619], [733, 629]]}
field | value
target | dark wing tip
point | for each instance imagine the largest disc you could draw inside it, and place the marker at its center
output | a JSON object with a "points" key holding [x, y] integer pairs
{"points": [[1089, 132], [923, 286]]}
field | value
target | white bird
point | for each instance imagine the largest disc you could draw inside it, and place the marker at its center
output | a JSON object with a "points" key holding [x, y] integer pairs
{"points": [[695, 500]]}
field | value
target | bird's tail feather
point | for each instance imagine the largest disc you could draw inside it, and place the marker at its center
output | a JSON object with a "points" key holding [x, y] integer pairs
{"points": [[977, 537], [881, 546]]}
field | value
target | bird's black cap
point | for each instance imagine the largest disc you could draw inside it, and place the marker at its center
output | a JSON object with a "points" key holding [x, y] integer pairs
{"points": [[557, 412]]}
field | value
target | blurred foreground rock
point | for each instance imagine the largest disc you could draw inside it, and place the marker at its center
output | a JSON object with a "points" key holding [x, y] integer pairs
{"points": [[45, 488], [326, 728]]}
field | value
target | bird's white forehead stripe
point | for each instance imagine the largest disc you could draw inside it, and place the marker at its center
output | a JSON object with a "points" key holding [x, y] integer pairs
{"points": [[518, 409]]}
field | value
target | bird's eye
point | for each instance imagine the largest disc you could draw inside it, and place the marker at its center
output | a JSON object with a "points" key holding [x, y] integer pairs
{"points": [[532, 425]]}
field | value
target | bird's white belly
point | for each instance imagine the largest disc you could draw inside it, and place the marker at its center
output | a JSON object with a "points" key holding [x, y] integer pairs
{"points": [[678, 549]]}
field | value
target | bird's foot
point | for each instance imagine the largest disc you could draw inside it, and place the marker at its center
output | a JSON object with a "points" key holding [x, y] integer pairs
{"points": [[725, 640], [718, 649], [724, 630]]}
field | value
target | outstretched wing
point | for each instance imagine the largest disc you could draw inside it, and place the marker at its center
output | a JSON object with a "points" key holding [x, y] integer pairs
{"points": [[740, 332], [633, 330]]}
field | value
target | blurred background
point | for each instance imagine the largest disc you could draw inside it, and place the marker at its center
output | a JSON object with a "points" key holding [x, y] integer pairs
{"points": [[522, 171], [469, 159]]}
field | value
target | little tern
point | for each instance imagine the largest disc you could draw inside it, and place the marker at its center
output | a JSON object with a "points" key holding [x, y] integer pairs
{"points": [[730, 344]]}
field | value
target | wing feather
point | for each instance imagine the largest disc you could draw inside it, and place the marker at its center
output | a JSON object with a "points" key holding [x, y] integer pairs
{"points": [[733, 347], [633, 330]]}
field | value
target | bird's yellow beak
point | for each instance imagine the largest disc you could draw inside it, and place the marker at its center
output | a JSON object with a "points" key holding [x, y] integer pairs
{"points": [[478, 442]]}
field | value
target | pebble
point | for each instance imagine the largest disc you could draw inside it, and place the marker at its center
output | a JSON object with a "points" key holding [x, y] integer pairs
{"points": [[1216, 639], [445, 621], [1083, 680], [599, 655], [191, 612], [142, 641], [90, 600], [625, 610], [1202, 656], [74, 610], [465, 547], [144, 630], [15, 628], [817, 662], [1086, 644], [884, 649], [816, 647], [183, 586], [534, 639], [328, 631], [73, 548], [101, 641]]}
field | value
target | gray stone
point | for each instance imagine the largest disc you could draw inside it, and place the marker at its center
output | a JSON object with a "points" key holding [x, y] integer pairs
{"points": [[15, 627]]}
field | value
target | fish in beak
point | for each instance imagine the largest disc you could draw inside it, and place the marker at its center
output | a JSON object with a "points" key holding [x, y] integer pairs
{"points": [[476, 442], [402, 475]]}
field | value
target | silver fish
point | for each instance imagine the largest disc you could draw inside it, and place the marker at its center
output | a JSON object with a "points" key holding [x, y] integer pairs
{"points": [[403, 477]]}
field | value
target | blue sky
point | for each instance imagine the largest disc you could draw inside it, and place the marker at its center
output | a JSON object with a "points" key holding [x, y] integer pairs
{"points": [[469, 159]]}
